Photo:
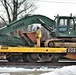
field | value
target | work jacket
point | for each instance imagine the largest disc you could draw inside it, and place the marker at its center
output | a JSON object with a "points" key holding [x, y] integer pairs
{"points": [[38, 33]]}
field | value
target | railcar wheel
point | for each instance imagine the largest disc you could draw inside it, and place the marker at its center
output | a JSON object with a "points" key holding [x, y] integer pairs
{"points": [[32, 58], [13, 58], [9, 59], [55, 57], [24, 57]]}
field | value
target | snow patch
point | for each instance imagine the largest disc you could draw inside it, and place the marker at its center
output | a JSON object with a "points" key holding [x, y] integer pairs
{"points": [[14, 69], [66, 70], [4, 73]]}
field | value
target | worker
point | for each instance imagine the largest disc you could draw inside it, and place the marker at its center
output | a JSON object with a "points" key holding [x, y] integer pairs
{"points": [[38, 36]]}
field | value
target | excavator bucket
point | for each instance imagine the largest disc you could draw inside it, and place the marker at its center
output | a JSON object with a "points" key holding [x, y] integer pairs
{"points": [[31, 36]]}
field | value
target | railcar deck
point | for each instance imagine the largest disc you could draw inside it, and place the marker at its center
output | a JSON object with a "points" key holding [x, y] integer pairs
{"points": [[33, 49]]}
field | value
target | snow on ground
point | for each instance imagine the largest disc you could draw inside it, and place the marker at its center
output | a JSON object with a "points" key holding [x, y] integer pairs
{"points": [[4, 73], [14, 69], [68, 70]]}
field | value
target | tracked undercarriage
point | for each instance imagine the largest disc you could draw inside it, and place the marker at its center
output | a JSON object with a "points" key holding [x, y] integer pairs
{"points": [[61, 42]]}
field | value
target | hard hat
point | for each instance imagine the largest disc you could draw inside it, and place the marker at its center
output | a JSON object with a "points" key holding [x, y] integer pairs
{"points": [[38, 27]]}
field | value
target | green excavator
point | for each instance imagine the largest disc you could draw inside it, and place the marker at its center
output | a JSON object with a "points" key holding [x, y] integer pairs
{"points": [[62, 31]]}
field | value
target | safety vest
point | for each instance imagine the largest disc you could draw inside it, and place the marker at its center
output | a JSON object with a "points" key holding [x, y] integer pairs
{"points": [[38, 32]]}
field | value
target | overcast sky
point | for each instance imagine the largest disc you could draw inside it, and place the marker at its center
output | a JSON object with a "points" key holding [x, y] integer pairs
{"points": [[51, 8]]}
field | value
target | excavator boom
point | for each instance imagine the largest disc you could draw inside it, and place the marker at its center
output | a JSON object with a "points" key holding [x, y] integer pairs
{"points": [[28, 20]]}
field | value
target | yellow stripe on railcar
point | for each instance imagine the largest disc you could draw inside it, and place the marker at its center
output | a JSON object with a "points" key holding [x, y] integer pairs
{"points": [[33, 49]]}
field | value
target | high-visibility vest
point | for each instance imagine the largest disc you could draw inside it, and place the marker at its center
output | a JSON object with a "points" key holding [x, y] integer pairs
{"points": [[38, 32]]}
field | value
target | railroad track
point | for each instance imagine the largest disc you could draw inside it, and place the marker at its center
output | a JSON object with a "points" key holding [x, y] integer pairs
{"points": [[36, 65], [61, 63]]}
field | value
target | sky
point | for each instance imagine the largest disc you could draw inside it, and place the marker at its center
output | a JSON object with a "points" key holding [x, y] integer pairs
{"points": [[51, 8]]}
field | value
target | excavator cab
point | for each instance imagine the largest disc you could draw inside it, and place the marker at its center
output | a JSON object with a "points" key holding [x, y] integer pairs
{"points": [[65, 26]]}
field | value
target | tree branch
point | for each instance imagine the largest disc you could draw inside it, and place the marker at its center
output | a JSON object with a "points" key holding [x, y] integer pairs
{"points": [[2, 2], [6, 8], [32, 10], [9, 6], [3, 20], [26, 9], [19, 4], [15, 7]]}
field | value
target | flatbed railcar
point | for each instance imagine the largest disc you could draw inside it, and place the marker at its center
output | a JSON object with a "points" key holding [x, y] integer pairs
{"points": [[61, 44]]}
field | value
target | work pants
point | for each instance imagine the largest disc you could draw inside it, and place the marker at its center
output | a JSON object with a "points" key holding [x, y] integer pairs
{"points": [[38, 42]]}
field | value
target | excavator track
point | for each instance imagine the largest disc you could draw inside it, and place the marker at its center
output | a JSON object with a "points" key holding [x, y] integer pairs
{"points": [[64, 43]]}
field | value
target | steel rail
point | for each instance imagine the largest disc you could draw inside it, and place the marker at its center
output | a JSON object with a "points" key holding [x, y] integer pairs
{"points": [[36, 65]]}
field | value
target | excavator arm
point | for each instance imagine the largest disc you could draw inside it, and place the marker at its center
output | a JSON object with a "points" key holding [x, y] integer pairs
{"points": [[27, 20]]}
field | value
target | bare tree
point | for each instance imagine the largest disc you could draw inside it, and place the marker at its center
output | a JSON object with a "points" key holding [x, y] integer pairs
{"points": [[17, 8]]}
